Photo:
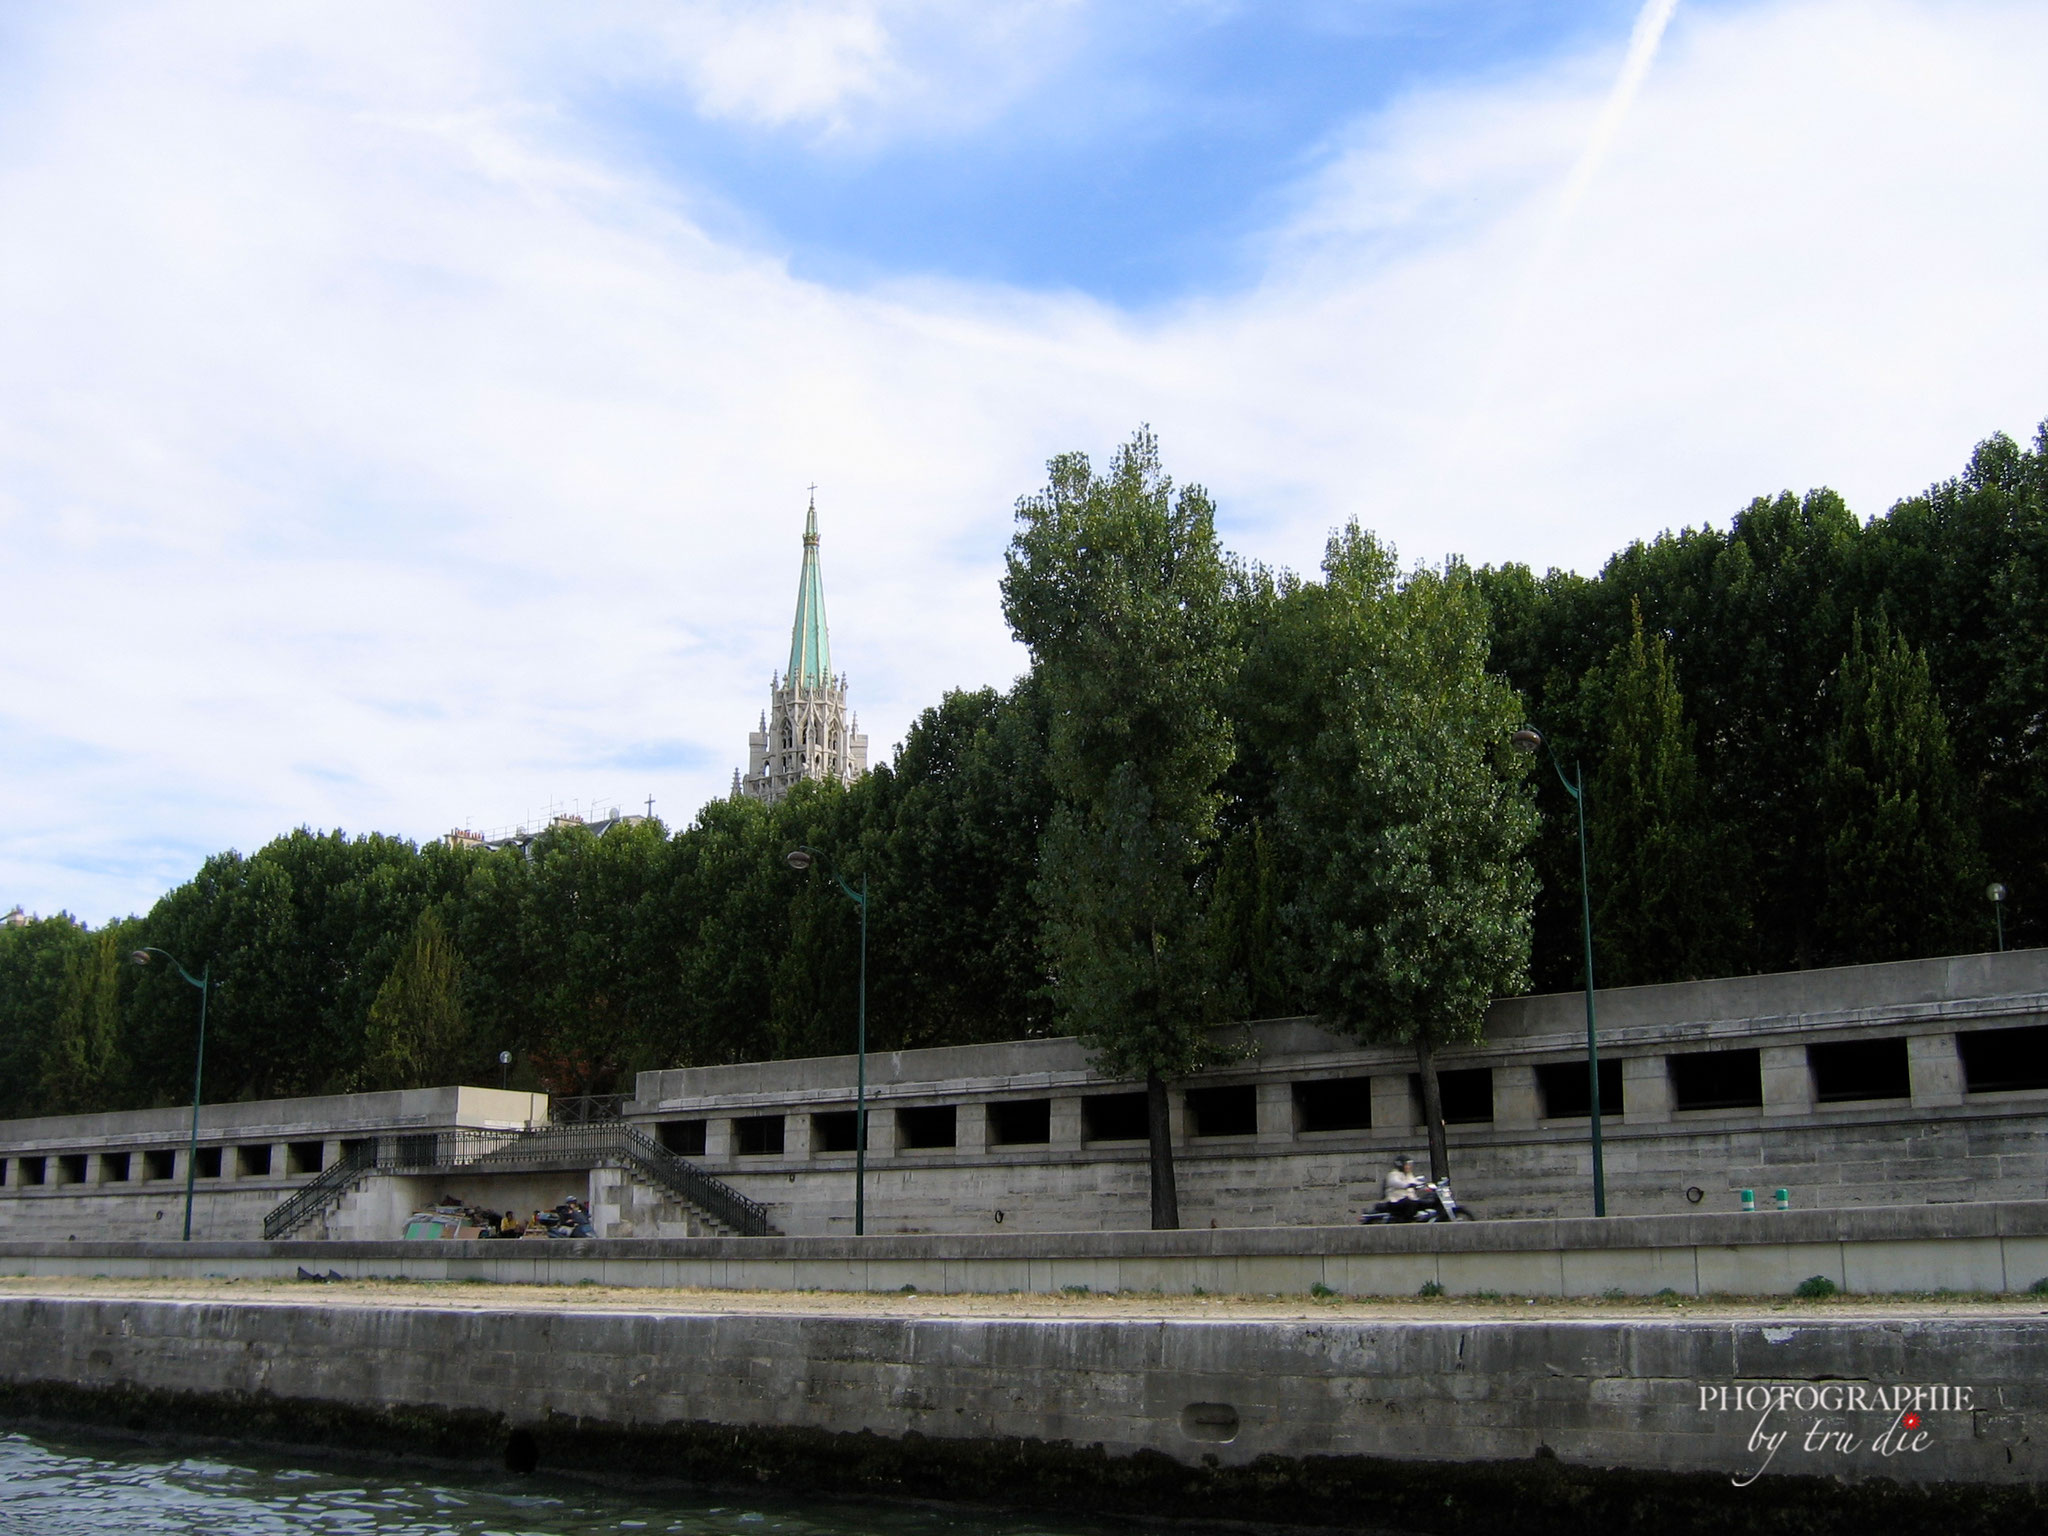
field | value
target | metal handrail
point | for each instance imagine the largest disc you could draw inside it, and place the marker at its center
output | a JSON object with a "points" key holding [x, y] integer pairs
{"points": [[324, 1192], [551, 1146], [580, 1108]]}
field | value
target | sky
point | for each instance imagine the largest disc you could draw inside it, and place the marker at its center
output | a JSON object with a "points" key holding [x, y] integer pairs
{"points": [[407, 413]]}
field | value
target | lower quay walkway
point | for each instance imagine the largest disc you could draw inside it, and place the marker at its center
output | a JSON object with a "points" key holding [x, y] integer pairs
{"points": [[1489, 1412]]}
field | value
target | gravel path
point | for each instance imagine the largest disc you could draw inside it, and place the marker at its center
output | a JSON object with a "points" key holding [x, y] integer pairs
{"points": [[1134, 1306]]}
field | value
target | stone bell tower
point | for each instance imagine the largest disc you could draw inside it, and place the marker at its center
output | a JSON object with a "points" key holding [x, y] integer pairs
{"points": [[806, 732]]}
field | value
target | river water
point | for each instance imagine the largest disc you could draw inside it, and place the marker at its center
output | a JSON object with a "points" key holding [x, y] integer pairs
{"points": [[81, 1487]]}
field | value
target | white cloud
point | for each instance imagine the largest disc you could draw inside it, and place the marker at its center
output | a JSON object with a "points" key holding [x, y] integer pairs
{"points": [[374, 451]]}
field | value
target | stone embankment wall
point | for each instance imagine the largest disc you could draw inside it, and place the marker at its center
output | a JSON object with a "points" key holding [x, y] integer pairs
{"points": [[1923, 1081], [1439, 1426], [1865, 1085], [124, 1174], [1991, 1248]]}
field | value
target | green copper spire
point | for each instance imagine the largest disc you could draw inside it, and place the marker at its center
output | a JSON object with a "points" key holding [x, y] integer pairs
{"points": [[810, 646]]}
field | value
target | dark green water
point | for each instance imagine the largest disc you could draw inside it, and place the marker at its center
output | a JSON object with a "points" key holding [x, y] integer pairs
{"points": [[75, 1487]]}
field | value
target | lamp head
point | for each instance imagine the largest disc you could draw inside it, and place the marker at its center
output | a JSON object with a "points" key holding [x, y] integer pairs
{"points": [[1995, 891], [504, 1058], [798, 858], [1528, 739], [138, 957]]}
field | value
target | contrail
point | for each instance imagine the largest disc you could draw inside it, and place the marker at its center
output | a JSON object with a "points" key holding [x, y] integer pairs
{"points": [[1651, 21]]}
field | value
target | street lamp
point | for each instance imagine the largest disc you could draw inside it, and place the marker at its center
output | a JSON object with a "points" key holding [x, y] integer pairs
{"points": [[141, 957], [504, 1069], [1530, 740], [1997, 894], [801, 859]]}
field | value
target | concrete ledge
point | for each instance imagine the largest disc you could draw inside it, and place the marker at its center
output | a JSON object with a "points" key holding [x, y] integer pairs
{"points": [[1995, 1247], [1438, 1426]]}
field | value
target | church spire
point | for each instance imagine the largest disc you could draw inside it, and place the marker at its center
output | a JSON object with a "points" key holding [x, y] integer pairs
{"points": [[810, 645], [807, 732]]}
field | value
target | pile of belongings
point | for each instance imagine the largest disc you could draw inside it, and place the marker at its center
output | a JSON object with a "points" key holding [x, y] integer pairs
{"points": [[453, 1219]]}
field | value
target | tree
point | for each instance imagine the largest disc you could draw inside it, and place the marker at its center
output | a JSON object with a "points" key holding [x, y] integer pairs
{"points": [[1405, 808], [1902, 865], [1117, 586], [1666, 891], [418, 1032], [84, 1064], [35, 958]]}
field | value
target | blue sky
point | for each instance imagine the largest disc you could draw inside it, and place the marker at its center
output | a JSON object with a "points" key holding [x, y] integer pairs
{"points": [[1143, 163], [406, 412]]}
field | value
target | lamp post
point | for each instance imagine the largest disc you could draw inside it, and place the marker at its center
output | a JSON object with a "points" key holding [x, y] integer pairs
{"points": [[800, 859], [1531, 741], [1996, 892], [504, 1069], [141, 957]]}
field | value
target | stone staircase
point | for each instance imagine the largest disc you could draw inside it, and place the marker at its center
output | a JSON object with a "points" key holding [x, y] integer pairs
{"points": [[661, 1194]]}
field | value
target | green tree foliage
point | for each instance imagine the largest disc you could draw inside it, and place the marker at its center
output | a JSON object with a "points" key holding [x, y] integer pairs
{"points": [[418, 1033], [1667, 894], [1405, 810], [84, 1064], [1757, 619], [35, 957], [1902, 863], [1117, 586]]}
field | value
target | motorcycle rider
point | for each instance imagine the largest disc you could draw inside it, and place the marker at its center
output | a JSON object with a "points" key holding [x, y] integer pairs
{"points": [[1399, 1191]]}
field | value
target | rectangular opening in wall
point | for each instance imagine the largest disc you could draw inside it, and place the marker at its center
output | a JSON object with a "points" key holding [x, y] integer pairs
{"points": [[1565, 1089], [1334, 1104], [1114, 1117], [209, 1162], [835, 1130], [305, 1156], [685, 1138], [1716, 1080], [928, 1125], [1232, 1111], [757, 1135], [71, 1168], [32, 1170], [1020, 1123], [1467, 1094], [253, 1162], [2002, 1060], [159, 1163], [6, 1170], [1845, 1070], [362, 1147], [114, 1167]]}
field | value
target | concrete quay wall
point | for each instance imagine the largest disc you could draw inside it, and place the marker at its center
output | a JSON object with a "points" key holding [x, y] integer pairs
{"points": [[1437, 1426], [1992, 1247]]}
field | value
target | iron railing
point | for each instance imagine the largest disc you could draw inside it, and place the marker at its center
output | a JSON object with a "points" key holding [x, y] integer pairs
{"points": [[323, 1194], [596, 1143], [583, 1108]]}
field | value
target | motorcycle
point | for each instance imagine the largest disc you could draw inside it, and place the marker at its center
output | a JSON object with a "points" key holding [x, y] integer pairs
{"points": [[1432, 1202]]}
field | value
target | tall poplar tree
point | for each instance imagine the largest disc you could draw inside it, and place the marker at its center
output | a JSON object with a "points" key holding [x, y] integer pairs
{"points": [[1407, 815], [1666, 891], [1116, 584], [84, 1064], [1902, 865], [418, 1032]]}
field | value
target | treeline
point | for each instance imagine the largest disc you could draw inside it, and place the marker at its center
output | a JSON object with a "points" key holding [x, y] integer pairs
{"points": [[1805, 740], [340, 963]]}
